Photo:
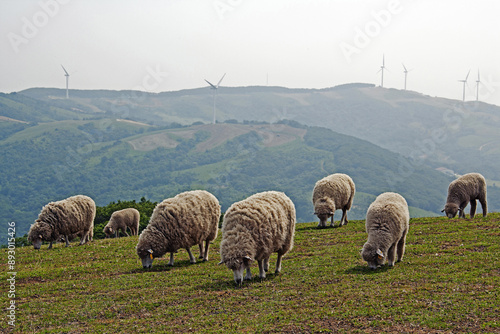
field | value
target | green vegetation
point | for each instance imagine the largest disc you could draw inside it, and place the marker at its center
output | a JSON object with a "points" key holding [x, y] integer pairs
{"points": [[447, 282], [55, 160]]}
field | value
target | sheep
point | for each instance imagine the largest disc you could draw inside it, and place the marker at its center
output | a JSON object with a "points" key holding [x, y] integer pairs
{"points": [[64, 218], [334, 192], [183, 221], [122, 219], [387, 224], [467, 188], [255, 228]]}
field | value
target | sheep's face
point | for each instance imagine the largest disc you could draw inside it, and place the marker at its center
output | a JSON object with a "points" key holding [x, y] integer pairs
{"points": [[108, 231], [38, 233], [238, 266], [146, 258], [450, 209], [373, 256], [324, 208]]}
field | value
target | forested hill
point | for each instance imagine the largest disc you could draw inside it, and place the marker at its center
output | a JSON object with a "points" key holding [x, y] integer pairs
{"points": [[113, 160]]}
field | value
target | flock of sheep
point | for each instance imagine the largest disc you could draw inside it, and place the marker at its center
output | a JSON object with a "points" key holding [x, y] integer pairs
{"points": [[253, 228]]}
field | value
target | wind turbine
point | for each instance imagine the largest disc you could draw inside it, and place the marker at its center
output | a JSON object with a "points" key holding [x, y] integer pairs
{"points": [[406, 74], [67, 80], [464, 81], [215, 87], [478, 81], [382, 71]]}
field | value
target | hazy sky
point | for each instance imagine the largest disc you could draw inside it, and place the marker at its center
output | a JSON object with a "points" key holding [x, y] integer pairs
{"points": [[155, 45]]}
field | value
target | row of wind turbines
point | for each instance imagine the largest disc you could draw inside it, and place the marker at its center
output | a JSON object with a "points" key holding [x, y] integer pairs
{"points": [[478, 81]]}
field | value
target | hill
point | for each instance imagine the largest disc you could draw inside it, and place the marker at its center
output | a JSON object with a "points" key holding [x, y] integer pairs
{"points": [[116, 159], [447, 283], [437, 132]]}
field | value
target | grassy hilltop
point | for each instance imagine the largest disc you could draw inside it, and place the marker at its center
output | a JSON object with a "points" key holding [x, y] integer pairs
{"points": [[448, 282]]}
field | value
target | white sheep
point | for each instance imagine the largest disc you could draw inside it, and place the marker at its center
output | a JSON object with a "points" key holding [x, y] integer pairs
{"points": [[255, 228], [120, 220], [334, 192], [188, 219], [63, 218], [387, 224], [467, 188]]}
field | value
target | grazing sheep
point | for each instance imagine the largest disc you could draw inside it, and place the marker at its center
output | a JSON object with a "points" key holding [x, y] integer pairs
{"points": [[183, 221], [122, 219], [387, 223], [467, 188], [255, 228], [334, 192], [64, 218]]}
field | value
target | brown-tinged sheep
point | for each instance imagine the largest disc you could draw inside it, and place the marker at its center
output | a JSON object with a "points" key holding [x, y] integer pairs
{"points": [[334, 192], [467, 188], [64, 218], [183, 221], [255, 228], [122, 219], [387, 224]]}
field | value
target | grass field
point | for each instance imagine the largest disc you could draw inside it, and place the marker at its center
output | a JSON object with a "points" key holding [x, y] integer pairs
{"points": [[448, 282]]}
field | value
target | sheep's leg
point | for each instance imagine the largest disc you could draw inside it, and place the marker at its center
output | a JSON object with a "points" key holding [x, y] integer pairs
{"points": [[171, 262], [191, 257], [331, 222], [66, 238], [344, 221], [116, 234], [83, 239], [50, 245], [266, 265], [200, 246], [484, 206], [125, 231], [391, 255], [205, 254], [262, 273], [278, 263], [401, 246], [473, 205], [248, 276]]}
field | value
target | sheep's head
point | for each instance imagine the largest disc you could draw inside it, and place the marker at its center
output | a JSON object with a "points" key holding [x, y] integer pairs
{"points": [[108, 230], [147, 257], [238, 266], [324, 208], [39, 232], [451, 209], [373, 255]]}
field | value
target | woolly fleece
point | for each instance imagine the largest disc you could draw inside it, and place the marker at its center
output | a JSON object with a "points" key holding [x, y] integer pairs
{"points": [[467, 188], [64, 218], [334, 192], [122, 219], [183, 221], [387, 224], [255, 228]]}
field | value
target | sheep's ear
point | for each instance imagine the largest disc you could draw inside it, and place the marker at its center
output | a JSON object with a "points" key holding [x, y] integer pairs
{"points": [[221, 262], [40, 236], [331, 212], [111, 229], [150, 251], [460, 210], [442, 210], [315, 213], [380, 254], [248, 258]]}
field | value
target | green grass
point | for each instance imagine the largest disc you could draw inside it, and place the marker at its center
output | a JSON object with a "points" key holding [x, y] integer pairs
{"points": [[448, 282]]}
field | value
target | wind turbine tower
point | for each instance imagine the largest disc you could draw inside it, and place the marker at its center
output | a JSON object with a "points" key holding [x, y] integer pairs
{"points": [[382, 71], [406, 74], [66, 74], [464, 82], [215, 88], [478, 81]]}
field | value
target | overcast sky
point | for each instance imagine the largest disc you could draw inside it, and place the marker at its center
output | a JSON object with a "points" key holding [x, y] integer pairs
{"points": [[173, 45]]}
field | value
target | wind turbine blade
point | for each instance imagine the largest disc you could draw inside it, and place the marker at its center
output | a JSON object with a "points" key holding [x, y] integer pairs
{"points": [[210, 84], [404, 67], [65, 70], [467, 75], [478, 80], [221, 80], [383, 60]]}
